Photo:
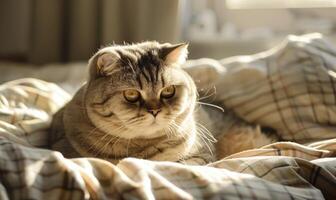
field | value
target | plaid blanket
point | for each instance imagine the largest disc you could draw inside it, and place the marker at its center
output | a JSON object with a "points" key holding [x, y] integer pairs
{"points": [[289, 88]]}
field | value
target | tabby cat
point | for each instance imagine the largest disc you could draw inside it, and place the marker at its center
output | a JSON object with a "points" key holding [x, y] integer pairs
{"points": [[139, 102]]}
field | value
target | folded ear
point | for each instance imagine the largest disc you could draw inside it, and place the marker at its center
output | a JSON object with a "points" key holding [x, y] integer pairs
{"points": [[175, 54], [102, 64]]}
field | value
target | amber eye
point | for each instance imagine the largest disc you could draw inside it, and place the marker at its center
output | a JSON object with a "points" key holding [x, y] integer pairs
{"points": [[132, 95], [168, 92]]}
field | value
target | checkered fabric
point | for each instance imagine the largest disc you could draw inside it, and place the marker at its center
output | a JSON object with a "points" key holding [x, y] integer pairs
{"points": [[289, 88]]}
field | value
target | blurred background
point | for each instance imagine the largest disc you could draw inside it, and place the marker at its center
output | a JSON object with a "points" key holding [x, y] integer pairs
{"points": [[44, 31], [41, 32]]}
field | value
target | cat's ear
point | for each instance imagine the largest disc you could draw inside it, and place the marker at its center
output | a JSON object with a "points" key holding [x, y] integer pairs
{"points": [[175, 54], [102, 64]]}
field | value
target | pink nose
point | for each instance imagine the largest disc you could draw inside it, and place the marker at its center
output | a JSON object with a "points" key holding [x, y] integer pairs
{"points": [[154, 112]]}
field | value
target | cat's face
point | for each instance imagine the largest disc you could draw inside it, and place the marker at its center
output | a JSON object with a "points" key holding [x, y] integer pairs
{"points": [[139, 91]]}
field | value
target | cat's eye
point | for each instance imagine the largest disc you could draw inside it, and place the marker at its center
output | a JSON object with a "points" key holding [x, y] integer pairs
{"points": [[168, 92], [132, 95]]}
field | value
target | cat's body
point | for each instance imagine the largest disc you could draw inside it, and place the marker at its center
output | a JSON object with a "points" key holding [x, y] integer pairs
{"points": [[138, 102]]}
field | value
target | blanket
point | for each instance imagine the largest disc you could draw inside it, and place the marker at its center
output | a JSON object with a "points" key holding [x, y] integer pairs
{"points": [[289, 88]]}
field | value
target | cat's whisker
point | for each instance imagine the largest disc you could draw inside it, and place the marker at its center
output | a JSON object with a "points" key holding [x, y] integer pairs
{"points": [[207, 145], [206, 95], [167, 132], [183, 135], [133, 121], [102, 150], [92, 131], [94, 144], [98, 150], [197, 107], [173, 126], [211, 105], [115, 154], [206, 132], [103, 137], [172, 131], [205, 136]]}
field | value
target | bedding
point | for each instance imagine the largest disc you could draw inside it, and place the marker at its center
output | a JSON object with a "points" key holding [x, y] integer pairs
{"points": [[290, 88]]}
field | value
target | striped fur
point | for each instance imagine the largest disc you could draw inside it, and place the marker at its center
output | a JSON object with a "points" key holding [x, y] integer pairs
{"points": [[99, 122]]}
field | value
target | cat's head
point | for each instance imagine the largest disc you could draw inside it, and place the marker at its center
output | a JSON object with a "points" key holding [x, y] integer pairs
{"points": [[139, 90]]}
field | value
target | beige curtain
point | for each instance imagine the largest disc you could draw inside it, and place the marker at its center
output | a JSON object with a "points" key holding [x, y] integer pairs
{"points": [[70, 30]]}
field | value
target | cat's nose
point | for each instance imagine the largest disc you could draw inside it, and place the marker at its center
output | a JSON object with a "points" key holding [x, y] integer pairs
{"points": [[154, 112]]}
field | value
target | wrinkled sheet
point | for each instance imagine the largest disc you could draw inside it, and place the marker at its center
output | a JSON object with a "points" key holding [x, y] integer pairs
{"points": [[289, 88]]}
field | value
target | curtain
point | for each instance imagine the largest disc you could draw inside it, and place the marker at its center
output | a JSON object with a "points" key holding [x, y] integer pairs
{"points": [[71, 30]]}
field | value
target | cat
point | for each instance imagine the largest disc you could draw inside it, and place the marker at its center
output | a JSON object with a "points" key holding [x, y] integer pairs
{"points": [[139, 102]]}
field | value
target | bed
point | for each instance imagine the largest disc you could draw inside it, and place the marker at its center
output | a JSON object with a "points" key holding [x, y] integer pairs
{"points": [[290, 88]]}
